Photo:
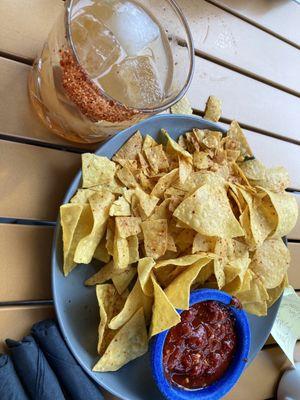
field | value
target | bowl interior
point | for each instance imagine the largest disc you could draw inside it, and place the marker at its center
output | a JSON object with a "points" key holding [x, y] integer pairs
{"points": [[76, 305]]}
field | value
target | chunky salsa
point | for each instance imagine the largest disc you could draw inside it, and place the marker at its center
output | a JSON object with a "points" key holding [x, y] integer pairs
{"points": [[199, 349]]}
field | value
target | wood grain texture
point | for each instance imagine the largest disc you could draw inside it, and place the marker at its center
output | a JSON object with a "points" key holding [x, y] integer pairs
{"points": [[295, 233], [227, 38], [24, 25], [25, 253], [279, 17], [15, 322], [249, 101], [294, 270], [34, 180]]}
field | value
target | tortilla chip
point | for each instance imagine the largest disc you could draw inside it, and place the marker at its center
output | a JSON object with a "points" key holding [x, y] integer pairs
{"points": [[208, 212], [144, 268], [128, 226], [185, 169], [121, 251], [96, 170], [76, 222], [270, 262], [155, 237], [122, 280], [133, 302], [276, 292], [286, 209], [101, 252], [162, 211], [127, 177], [133, 246], [276, 179], [100, 203], [131, 148], [164, 183], [130, 342], [110, 234], [171, 245], [164, 315], [81, 196], [104, 274], [156, 158], [235, 132], [203, 243], [110, 304], [147, 202], [201, 160], [259, 309], [185, 239], [178, 292], [183, 106], [213, 109], [183, 261], [149, 142], [174, 148], [120, 208]]}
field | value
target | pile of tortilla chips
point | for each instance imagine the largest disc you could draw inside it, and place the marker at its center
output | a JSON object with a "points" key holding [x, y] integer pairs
{"points": [[166, 218]]}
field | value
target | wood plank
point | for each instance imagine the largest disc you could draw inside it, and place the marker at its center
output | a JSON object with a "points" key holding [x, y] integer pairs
{"points": [[17, 117], [295, 233], [294, 270], [251, 102], [25, 252], [24, 25], [241, 97], [226, 38], [269, 15], [34, 180], [15, 322], [260, 379]]}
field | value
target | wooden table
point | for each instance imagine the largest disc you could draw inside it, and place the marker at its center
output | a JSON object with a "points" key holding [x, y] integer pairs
{"points": [[247, 55]]}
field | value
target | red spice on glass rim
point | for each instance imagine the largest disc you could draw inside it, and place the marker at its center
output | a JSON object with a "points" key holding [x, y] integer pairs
{"points": [[199, 349]]}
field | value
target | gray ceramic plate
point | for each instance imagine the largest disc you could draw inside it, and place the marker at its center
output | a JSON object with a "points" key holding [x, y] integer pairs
{"points": [[76, 305]]}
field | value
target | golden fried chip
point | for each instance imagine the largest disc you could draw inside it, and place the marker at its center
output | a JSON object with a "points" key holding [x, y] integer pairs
{"points": [[130, 342], [185, 239], [81, 196], [128, 226], [203, 243], [220, 261], [208, 211], [133, 246], [174, 148], [127, 177], [100, 203], [144, 268], [121, 251], [276, 292], [73, 231], [235, 132], [131, 148], [110, 234], [122, 280], [213, 109], [185, 169], [101, 252], [164, 315], [133, 302], [178, 292], [110, 304], [270, 262], [253, 169], [171, 245], [259, 309], [183, 106], [104, 274], [276, 179], [96, 170], [149, 142], [155, 237], [286, 209], [164, 183], [156, 158], [120, 208], [162, 211], [201, 160], [147, 202]]}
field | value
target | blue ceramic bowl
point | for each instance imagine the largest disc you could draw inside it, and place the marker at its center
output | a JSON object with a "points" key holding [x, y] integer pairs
{"points": [[222, 386]]}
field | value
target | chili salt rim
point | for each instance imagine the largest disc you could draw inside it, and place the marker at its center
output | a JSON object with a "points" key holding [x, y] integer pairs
{"points": [[118, 104]]}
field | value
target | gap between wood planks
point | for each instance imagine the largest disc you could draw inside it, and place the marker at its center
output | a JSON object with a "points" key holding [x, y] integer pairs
{"points": [[251, 22]]}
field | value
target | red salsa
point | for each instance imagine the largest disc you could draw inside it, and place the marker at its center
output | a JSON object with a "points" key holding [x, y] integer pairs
{"points": [[199, 349]]}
